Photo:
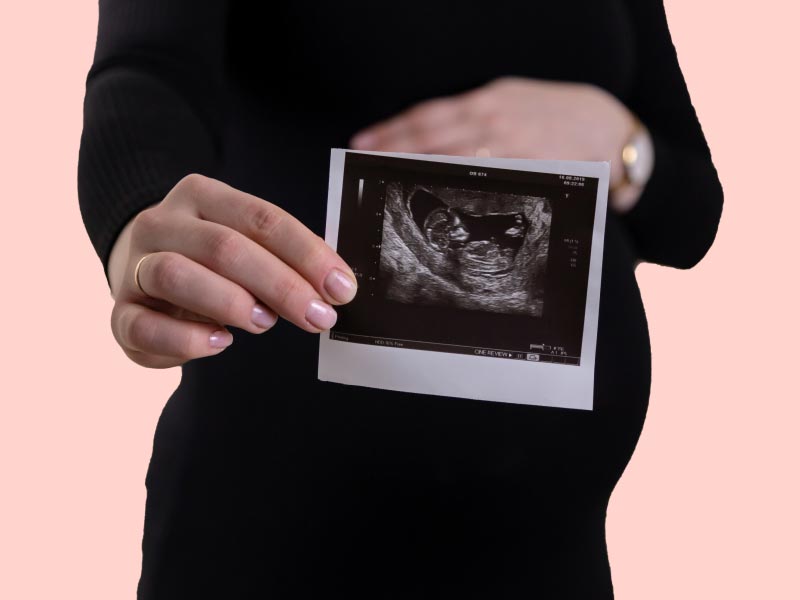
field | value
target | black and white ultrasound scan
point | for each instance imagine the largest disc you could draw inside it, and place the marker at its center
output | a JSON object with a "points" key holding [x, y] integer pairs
{"points": [[479, 278], [464, 248]]}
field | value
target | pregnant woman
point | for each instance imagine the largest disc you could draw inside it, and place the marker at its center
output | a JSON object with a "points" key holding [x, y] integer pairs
{"points": [[203, 179]]}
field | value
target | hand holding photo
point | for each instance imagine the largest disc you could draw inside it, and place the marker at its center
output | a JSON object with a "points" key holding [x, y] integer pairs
{"points": [[478, 277]]}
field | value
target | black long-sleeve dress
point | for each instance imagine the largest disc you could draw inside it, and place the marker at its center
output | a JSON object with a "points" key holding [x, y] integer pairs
{"points": [[267, 483]]}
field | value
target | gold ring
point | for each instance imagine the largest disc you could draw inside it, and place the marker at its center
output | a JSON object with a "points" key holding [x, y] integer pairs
{"points": [[136, 274]]}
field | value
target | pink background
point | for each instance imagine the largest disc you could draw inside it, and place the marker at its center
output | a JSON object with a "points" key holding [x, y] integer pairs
{"points": [[707, 506]]}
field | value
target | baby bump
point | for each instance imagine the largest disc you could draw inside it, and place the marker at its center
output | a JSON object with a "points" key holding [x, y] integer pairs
{"points": [[267, 385], [318, 477]]}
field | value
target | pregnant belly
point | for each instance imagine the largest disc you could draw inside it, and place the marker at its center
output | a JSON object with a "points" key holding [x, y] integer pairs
{"points": [[269, 381], [266, 387], [318, 478], [314, 481]]}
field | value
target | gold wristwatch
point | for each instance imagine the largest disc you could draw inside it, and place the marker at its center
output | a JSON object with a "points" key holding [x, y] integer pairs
{"points": [[637, 158]]}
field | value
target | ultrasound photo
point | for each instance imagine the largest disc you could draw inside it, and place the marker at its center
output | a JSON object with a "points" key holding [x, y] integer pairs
{"points": [[469, 249], [479, 277]]}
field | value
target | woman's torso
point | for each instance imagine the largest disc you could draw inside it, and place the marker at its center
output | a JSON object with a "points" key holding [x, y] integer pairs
{"points": [[265, 478]]}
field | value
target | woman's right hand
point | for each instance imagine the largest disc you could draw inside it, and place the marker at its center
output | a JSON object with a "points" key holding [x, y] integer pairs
{"points": [[218, 256]]}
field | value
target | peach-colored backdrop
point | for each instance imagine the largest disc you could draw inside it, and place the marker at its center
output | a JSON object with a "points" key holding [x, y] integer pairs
{"points": [[707, 507]]}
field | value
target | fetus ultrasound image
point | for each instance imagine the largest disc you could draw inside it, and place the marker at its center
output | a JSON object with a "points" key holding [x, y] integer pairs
{"points": [[463, 248], [464, 259]]}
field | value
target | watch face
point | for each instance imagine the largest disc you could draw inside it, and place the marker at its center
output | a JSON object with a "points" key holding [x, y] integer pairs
{"points": [[629, 154]]}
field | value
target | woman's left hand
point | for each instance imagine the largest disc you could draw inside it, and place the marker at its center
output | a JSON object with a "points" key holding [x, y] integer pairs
{"points": [[512, 117]]}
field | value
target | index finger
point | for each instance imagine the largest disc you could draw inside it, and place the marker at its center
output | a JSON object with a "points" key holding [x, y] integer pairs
{"points": [[279, 232]]}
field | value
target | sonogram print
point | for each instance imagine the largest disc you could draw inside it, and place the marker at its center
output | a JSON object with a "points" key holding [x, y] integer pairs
{"points": [[463, 248]]}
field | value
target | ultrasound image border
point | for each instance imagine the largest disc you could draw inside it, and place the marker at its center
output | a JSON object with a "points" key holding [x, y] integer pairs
{"points": [[462, 375]]}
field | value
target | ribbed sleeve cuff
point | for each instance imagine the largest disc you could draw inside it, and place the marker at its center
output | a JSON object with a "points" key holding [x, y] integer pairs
{"points": [[140, 137]]}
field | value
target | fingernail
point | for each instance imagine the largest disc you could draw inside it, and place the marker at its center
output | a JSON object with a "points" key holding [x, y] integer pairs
{"points": [[220, 339], [262, 317], [363, 140], [320, 315], [341, 287]]}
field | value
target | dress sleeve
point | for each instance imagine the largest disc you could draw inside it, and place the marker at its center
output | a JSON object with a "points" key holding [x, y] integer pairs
{"points": [[675, 220], [152, 110]]}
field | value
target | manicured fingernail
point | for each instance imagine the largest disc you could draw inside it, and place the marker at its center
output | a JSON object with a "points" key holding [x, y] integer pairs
{"points": [[363, 140], [340, 286], [262, 317], [220, 339], [320, 315]]}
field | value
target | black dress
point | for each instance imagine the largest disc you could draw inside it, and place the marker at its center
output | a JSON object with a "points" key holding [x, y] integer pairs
{"points": [[267, 483]]}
